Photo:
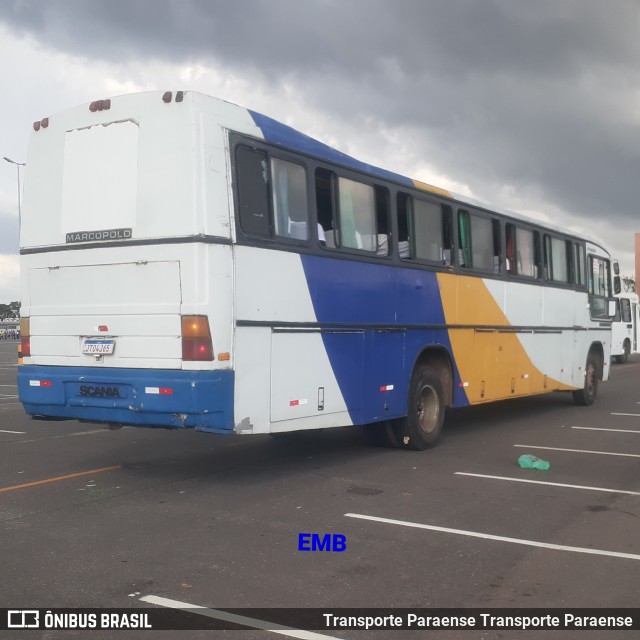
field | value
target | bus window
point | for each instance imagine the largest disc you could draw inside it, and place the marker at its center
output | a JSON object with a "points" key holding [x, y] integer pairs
{"points": [[424, 230], [324, 183], [556, 260], [599, 287], [289, 198], [357, 215], [253, 196], [510, 249], [477, 238], [520, 251], [525, 254], [625, 309], [382, 220], [580, 267]]}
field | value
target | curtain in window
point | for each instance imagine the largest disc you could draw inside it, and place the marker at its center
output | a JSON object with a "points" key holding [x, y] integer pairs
{"points": [[465, 237], [281, 200]]}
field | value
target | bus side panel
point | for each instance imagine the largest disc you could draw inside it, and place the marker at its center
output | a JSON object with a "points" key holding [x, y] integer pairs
{"points": [[285, 379], [392, 300], [500, 356]]}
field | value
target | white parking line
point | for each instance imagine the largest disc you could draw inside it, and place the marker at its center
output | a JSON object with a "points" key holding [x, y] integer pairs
{"points": [[487, 536], [635, 415], [63, 435], [243, 620], [553, 484], [602, 453], [4, 431], [601, 429]]}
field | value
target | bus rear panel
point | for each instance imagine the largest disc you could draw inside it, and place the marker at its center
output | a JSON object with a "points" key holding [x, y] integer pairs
{"points": [[126, 265]]}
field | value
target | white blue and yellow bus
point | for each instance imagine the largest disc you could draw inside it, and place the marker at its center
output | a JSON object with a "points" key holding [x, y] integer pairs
{"points": [[188, 263]]}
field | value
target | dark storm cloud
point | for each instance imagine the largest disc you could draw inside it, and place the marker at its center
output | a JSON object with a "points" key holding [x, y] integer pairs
{"points": [[539, 96]]}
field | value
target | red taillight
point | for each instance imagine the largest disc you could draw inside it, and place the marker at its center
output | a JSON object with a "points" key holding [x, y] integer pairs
{"points": [[196, 338], [25, 337]]}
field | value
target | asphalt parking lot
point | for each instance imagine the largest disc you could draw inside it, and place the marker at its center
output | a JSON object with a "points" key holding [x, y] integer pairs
{"points": [[98, 518]]}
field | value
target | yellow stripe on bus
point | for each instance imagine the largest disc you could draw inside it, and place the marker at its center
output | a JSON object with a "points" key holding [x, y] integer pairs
{"points": [[493, 363], [429, 187]]}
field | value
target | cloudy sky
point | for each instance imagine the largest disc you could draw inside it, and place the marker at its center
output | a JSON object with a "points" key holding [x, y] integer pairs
{"points": [[531, 106]]}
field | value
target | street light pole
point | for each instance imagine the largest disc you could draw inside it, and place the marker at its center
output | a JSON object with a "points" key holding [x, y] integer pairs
{"points": [[18, 165]]}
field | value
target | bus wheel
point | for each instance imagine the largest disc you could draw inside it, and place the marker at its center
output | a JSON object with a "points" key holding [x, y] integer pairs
{"points": [[626, 351], [425, 415], [587, 394]]}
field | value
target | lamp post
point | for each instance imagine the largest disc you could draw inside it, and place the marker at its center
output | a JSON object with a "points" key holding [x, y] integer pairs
{"points": [[18, 165]]}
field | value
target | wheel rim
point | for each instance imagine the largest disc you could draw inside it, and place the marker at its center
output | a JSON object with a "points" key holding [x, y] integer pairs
{"points": [[428, 409]]}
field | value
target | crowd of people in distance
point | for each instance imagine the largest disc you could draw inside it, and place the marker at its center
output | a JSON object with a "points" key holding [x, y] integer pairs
{"points": [[9, 334]]}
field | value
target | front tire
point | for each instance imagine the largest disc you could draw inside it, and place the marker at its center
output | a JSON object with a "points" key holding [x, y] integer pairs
{"points": [[422, 426], [587, 394]]}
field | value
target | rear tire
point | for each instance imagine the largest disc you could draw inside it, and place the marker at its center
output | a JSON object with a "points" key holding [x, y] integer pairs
{"points": [[587, 394], [626, 351], [422, 427]]}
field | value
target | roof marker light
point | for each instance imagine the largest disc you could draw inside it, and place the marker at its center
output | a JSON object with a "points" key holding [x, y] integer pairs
{"points": [[179, 96], [36, 126], [167, 97], [44, 123], [100, 105]]}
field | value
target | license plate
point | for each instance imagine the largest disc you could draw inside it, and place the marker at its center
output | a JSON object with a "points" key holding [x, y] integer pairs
{"points": [[98, 347]]}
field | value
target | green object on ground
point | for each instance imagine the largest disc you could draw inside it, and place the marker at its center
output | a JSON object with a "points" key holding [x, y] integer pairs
{"points": [[527, 461]]}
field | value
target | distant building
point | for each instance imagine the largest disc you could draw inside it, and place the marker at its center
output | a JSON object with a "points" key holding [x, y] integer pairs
{"points": [[8, 326]]}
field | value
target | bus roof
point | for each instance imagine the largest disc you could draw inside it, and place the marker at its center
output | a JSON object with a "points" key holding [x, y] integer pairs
{"points": [[286, 136]]}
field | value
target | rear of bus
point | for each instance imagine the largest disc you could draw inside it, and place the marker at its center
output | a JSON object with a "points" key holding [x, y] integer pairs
{"points": [[127, 264]]}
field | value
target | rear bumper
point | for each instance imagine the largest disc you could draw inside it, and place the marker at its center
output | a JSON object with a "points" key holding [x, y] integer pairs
{"points": [[202, 400]]}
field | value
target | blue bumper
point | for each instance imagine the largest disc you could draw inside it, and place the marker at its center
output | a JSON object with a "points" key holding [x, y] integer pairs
{"points": [[202, 400]]}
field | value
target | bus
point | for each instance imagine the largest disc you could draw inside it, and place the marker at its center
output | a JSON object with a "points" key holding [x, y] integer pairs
{"points": [[624, 328], [190, 263]]}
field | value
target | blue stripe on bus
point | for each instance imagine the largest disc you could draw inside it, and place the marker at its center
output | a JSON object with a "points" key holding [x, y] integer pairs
{"points": [[281, 134], [198, 399], [365, 360]]}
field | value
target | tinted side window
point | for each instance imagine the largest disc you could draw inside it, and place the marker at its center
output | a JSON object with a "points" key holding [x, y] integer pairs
{"points": [[581, 267], [556, 259], [477, 242], [357, 215], [291, 218], [253, 193], [599, 287], [521, 251], [625, 309]]}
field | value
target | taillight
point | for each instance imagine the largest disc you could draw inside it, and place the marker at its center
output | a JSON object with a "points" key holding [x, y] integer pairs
{"points": [[196, 338], [25, 337]]}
